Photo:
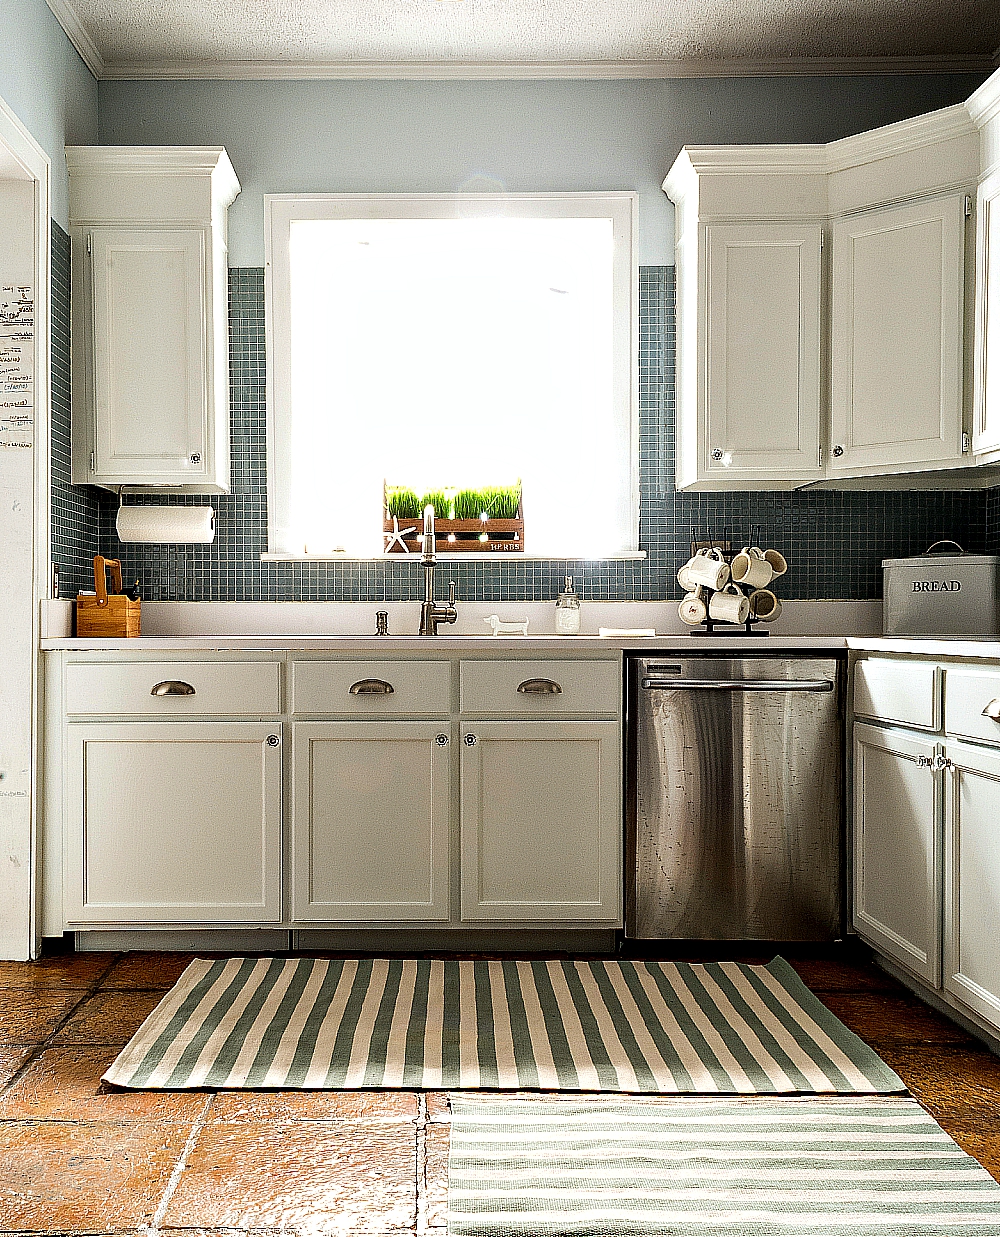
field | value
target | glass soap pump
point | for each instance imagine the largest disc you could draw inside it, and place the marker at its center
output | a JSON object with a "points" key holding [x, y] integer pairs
{"points": [[568, 610]]}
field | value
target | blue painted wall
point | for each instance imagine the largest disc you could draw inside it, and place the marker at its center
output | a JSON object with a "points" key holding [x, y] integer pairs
{"points": [[47, 86]]}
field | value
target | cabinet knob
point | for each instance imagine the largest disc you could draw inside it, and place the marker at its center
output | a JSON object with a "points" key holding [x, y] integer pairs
{"points": [[539, 687], [172, 687], [371, 687], [717, 454], [992, 710], [441, 740], [838, 451], [470, 740], [941, 762], [924, 762], [196, 457], [273, 740]]}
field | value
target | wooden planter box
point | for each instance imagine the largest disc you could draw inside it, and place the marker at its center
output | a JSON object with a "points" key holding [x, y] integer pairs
{"points": [[505, 536]]}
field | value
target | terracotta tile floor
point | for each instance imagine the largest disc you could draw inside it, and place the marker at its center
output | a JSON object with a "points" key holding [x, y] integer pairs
{"points": [[74, 1159]]}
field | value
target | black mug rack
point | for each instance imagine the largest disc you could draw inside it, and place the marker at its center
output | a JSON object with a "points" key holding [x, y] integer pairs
{"points": [[721, 627]]}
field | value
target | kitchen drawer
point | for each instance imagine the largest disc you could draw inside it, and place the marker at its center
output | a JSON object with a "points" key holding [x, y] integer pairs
{"points": [[905, 692], [246, 689], [417, 687], [966, 694], [584, 687]]}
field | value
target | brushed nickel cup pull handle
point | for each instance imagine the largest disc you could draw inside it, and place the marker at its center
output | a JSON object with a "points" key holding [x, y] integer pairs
{"points": [[172, 687], [372, 687], [992, 710], [539, 687]]}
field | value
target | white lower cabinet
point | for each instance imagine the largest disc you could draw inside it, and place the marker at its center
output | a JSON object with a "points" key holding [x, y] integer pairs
{"points": [[370, 821], [173, 822], [972, 879], [540, 821], [897, 847]]}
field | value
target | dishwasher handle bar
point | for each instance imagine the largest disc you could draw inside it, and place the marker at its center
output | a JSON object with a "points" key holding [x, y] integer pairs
{"points": [[739, 685]]}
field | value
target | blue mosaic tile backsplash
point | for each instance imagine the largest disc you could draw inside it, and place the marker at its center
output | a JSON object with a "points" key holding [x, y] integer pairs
{"points": [[834, 541]]}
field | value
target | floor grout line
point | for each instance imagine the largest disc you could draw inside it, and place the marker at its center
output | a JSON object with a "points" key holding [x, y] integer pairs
{"points": [[38, 1049], [421, 1162], [175, 1177]]}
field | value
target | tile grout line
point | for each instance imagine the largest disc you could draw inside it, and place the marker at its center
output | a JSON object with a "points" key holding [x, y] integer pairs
{"points": [[420, 1154], [38, 1049], [171, 1188]]}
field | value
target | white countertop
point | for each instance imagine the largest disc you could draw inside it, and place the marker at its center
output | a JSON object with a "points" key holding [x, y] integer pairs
{"points": [[528, 645], [966, 647]]}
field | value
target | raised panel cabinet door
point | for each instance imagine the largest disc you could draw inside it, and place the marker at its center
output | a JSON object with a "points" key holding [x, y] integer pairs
{"points": [[370, 821], [762, 351], [541, 821], [897, 337], [972, 879], [986, 420], [173, 822], [151, 395], [897, 848]]}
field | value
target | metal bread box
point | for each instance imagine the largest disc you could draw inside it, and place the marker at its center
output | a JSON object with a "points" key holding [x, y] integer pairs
{"points": [[942, 592]]}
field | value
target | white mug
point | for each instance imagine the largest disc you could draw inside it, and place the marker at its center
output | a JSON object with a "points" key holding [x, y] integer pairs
{"points": [[729, 605], [779, 564], [684, 579], [764, 605], [692, 609], [750, 567], [708, 568]]}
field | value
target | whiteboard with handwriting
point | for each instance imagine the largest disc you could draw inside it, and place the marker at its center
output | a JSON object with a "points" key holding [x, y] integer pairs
{"points": [[17, 355]]}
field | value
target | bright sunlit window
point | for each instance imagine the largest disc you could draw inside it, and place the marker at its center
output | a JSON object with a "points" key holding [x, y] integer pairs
{"points": [[451, 343]]}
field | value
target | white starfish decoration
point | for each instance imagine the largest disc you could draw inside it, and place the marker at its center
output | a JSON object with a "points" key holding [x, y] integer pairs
{"points": [[397, 534]]}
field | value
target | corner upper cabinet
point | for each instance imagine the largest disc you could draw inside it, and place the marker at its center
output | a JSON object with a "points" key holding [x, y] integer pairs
{"points": [[984, 107], [749, 299], [897, 333], [150, 316]]}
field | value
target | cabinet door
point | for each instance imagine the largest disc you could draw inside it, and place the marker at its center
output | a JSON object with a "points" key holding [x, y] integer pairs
{"points": [[372, 804], [897, 848], [151, 398], [896, 348], [173, 822], [986, 422], [762, 351], [972, 879], [541, 821]]}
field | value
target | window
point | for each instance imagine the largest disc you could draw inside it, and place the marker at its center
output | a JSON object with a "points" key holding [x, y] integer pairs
{"points": [[452, 342]]}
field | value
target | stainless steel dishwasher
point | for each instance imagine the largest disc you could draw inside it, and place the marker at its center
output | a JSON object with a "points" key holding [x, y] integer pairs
{"points": [[735, 820]]}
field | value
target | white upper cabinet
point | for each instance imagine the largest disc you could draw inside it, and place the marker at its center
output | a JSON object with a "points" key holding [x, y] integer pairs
{"points": [[897, 334], [984, 107], [749, 302], [150, 316], [762, 347], [793, 369]]}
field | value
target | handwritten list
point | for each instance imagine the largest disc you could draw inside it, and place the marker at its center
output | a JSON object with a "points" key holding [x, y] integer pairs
{"points": [[17, 359]]}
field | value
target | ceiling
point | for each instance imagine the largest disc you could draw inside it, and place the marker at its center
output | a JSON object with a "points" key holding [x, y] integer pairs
{"points": [[527, 38]]}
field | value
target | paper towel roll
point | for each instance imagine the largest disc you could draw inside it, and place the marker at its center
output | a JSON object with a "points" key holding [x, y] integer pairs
{"points": [[146, 524]]}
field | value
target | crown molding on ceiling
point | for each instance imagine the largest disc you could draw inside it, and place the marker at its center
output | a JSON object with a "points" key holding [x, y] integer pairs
{"points": [[67, 17], [807, 66]]}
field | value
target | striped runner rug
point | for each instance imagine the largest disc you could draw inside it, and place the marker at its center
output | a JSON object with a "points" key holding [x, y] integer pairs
{"points": [[712, 1167], [507, 1025]]}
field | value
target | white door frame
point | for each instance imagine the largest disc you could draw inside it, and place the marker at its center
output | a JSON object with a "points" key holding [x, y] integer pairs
{"points": [[19, 927]]}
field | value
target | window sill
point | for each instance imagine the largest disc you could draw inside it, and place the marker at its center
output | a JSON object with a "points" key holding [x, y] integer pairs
{"points": [[445, 556]]}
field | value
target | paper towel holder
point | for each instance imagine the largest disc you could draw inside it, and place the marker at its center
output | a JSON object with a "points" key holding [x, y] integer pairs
{"points": [[150, 534]]}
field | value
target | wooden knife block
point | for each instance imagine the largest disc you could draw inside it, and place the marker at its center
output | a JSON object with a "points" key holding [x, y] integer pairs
{"points": [[120, 617], [107, 616]]}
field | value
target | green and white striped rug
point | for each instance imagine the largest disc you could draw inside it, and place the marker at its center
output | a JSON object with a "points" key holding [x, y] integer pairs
{"points": [[716, 1168], [507, 1025]]}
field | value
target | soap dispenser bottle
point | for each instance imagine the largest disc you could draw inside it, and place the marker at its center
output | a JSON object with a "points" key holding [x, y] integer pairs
{"points": [[568, 610]]}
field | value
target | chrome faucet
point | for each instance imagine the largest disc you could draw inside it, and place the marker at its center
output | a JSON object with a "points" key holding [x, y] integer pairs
{"points": [[431, 614]]}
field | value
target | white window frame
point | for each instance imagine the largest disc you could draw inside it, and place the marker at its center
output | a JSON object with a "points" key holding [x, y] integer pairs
{"points": [[282, 209]]}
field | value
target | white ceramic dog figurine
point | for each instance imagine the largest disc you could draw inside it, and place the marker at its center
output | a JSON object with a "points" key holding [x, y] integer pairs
{"points": [[500, 628]]}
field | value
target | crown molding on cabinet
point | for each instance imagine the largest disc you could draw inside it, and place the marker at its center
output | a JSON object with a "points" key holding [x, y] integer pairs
{"points": [[74, 29], [984, 103], [899, 138]]}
